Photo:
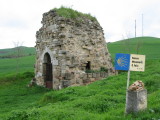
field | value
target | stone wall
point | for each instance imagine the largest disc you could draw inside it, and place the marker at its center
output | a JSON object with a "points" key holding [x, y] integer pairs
{"points": [[74, 46]]}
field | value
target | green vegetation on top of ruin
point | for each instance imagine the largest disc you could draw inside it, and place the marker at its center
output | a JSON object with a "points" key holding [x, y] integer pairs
{"points": [[70, 13]]}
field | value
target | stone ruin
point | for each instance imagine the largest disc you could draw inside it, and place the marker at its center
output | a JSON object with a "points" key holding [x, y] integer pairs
{"points": [[70, 52]]}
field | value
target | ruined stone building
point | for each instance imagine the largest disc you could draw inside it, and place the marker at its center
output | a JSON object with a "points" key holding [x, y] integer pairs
{"points": [[70, 51]]}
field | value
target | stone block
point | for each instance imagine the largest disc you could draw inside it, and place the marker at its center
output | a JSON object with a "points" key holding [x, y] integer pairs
{"points": [[86, 80], [77, 32], [65, 83], [62, 26], [53, 28], [60, 19], [105, 74], [136, 101], [57, 42], [63, 71], [70, 36], [55, 62], [102, 74], [71, 66], [89, 75], [94, 75], [62, 51], [85, 76], [68, 76], [79, 81], [61, 35], [92, 79], [97, 75]]}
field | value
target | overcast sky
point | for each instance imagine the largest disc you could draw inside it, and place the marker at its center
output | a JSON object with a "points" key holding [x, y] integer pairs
{"points": [[20, 19]]}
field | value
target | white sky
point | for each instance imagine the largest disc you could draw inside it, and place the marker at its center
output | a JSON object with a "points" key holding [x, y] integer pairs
{"points": [[20, 19]]}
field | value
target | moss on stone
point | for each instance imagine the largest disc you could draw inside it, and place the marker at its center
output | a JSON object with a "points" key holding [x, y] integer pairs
{"points": [[73, 14]]}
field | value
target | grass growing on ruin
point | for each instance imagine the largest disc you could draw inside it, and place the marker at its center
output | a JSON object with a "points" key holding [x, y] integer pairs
{"points": [[70, 13]]}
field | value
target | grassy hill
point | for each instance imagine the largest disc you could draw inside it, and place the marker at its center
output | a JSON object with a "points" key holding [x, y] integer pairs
{"points": [[148, 46], [16, 65], [9, 64], [11, 52], [101, 100]]}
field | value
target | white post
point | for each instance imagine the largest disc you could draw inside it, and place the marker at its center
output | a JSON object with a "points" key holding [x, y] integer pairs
{"points": [[128, 79]]}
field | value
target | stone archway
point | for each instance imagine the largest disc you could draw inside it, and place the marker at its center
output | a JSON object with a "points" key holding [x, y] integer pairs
{"points": [[47, 71]]}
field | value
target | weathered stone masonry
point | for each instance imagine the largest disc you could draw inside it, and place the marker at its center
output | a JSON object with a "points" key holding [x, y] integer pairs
{"points": [[66, 48]]}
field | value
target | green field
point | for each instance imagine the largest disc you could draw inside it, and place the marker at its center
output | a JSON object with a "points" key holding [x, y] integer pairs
{"points": [[148, 46], [11, 52], [101, 100], [16, 65]]}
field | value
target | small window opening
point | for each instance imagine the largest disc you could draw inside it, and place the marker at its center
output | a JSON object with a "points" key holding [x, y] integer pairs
{"points": [[88, 65]]}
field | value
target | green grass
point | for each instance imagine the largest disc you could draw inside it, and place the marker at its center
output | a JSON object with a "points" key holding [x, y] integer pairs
{"points": [[14, 65], [73, 14], [15, 95], [149, 46], [101, 100], [11, 52]]}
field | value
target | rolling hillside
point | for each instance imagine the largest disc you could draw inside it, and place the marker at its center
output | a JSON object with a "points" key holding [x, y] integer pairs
{"points": [[11, 52], [148, 46], [16, 65], [9, 64], [101, 100]]}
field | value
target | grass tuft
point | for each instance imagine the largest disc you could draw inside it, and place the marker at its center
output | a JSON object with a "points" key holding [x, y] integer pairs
{"points": [[73, 14]]}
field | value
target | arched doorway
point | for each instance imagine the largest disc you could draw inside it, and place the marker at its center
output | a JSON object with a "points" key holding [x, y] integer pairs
{"points": [[47, 71]]}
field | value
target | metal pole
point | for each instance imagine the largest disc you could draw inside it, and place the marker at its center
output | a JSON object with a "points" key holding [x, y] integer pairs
{"points": [[128, 79], [135, 28], [142, 25]]}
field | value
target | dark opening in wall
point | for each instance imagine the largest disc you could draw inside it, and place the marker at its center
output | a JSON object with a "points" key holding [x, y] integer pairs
{"points": [[88, 65], [47, 71]]}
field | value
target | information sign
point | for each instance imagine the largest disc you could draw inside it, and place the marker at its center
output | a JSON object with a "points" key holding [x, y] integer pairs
{"points": [[122, 61], [137, 62]]}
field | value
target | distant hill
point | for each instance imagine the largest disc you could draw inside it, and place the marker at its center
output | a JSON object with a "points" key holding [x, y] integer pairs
{"points": [[12, 52], [149, 46]]}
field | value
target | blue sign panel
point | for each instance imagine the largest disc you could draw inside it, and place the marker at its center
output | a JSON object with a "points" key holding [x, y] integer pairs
{"points": [[122, 61]]}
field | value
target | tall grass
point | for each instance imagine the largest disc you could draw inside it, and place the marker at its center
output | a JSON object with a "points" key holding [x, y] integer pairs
{"points": [[15, 95], [70, 13]]}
